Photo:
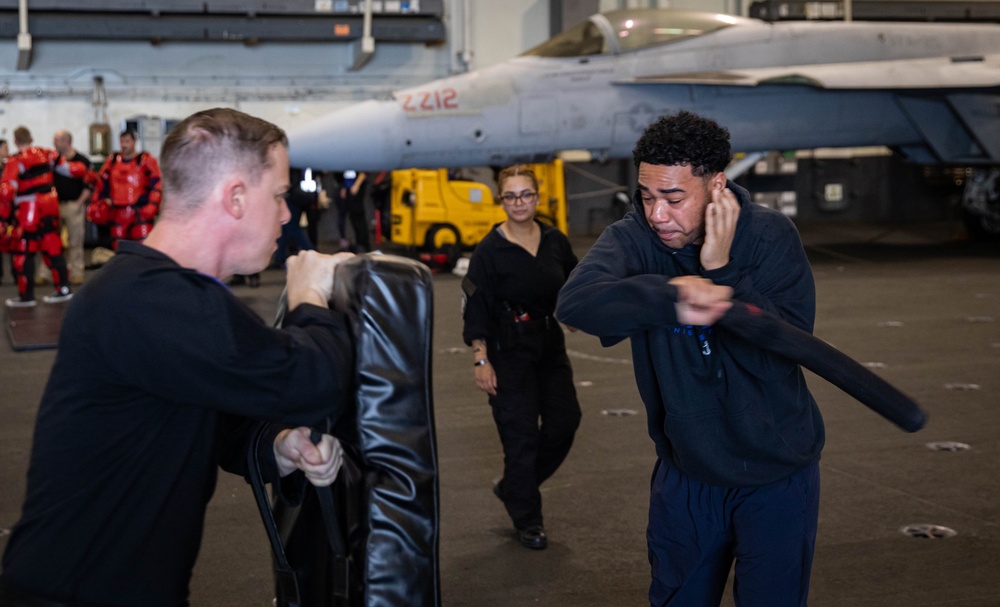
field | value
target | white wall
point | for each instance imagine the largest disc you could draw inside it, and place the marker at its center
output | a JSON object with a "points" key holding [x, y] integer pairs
{"points": [[502, 30]]}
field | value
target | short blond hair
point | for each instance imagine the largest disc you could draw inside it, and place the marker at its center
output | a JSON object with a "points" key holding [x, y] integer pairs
{"points": [[211, 145]]}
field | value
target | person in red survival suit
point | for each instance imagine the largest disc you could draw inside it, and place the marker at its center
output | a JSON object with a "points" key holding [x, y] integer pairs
{"points": [[127, 194], [29, 207]]}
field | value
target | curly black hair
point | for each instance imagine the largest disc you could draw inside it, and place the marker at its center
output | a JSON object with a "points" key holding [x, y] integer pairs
{"points": [[685, 138]]}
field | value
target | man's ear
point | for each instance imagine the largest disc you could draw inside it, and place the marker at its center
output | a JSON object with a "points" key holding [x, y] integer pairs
{"points": [[719, 181], [234, 198]]}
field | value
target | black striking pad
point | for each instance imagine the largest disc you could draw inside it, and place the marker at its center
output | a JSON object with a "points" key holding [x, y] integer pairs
{"points": [[389, 303], [386, 496]]}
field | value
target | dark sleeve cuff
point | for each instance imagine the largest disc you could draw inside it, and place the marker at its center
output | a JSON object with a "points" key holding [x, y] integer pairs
{"points": [[306, 314], [291, 488], [727, 275], [265, 453]]}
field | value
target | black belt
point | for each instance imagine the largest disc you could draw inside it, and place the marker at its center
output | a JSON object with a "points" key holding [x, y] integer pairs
{"points": [[15, 597], [535, 325]]}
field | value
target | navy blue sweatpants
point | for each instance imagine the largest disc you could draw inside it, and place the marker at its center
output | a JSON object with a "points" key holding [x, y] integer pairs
{"points": [[696, 531]]}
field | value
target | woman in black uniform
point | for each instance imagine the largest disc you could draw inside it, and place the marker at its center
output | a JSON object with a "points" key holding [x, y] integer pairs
{"points": [[519, 354]]}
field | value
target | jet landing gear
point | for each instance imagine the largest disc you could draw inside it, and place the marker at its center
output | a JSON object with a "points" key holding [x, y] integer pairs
{"points": [[981, 204]]}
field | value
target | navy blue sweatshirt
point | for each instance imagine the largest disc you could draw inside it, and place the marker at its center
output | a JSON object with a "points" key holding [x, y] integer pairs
{"points": [[719, 408]]}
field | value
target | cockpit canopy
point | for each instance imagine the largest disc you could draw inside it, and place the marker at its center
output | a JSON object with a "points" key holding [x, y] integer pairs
{"points": [[630, 29]]}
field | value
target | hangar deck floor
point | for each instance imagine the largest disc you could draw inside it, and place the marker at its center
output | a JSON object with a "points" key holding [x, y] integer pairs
{"points": [[923, 309]]}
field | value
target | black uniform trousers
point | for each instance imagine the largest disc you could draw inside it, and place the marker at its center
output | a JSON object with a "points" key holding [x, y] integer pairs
{"points": [[535, 410]]}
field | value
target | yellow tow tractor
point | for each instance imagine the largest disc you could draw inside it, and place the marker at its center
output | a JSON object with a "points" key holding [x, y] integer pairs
{"points": [[439, 217]]}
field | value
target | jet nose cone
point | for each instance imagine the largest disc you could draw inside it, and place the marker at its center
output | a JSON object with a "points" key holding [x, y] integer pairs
{"points": [[361, 137]]}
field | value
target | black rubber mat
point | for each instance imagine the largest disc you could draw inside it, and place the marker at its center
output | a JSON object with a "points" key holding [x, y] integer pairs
{"points": [[34, 328]]}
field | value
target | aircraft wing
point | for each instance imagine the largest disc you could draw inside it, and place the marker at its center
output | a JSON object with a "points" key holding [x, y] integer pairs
{"points": [[931, 73]]}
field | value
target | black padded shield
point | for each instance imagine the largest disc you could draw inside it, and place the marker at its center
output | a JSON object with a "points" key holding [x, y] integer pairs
{"points": [[386, 495], [389, 303], [775, 335]]}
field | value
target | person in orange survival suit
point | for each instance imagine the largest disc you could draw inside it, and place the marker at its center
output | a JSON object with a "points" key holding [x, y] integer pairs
{"points": [[127, 193], [30, 208]]}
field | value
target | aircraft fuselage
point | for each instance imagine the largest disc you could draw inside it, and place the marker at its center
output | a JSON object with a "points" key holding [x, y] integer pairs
{"points": [[780, 86]]}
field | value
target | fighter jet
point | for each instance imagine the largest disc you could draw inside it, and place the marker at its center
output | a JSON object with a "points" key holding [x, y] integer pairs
{"points": [[929, 91]]}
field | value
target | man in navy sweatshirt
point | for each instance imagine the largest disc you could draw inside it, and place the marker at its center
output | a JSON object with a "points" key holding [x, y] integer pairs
{"points": [[737, 434]]}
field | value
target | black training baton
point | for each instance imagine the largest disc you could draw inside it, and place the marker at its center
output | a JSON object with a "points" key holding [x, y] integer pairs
{"points": [[775, 335]]}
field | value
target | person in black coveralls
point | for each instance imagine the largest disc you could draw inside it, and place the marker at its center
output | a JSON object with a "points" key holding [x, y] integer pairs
{"points": [[162, 373], [519, 354]]}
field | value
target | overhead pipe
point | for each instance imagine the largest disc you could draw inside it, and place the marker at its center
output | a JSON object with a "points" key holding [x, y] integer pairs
{"points": [[364, 49], [461, 54], [467, 34], [23, 37]]}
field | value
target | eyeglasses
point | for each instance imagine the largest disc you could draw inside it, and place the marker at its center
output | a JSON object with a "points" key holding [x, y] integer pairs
{"points": [[527, 197]]}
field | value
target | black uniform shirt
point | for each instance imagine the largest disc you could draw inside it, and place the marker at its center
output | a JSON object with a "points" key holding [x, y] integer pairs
{"points": [[158, 368], [502, 274], [70, 188]]}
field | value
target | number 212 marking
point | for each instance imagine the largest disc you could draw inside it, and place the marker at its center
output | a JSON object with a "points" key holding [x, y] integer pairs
{"points": [[444, 99]]}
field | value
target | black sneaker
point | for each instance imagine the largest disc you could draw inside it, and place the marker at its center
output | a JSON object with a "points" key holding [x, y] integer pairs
{"points": [[59, 295], [533, 537]]}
